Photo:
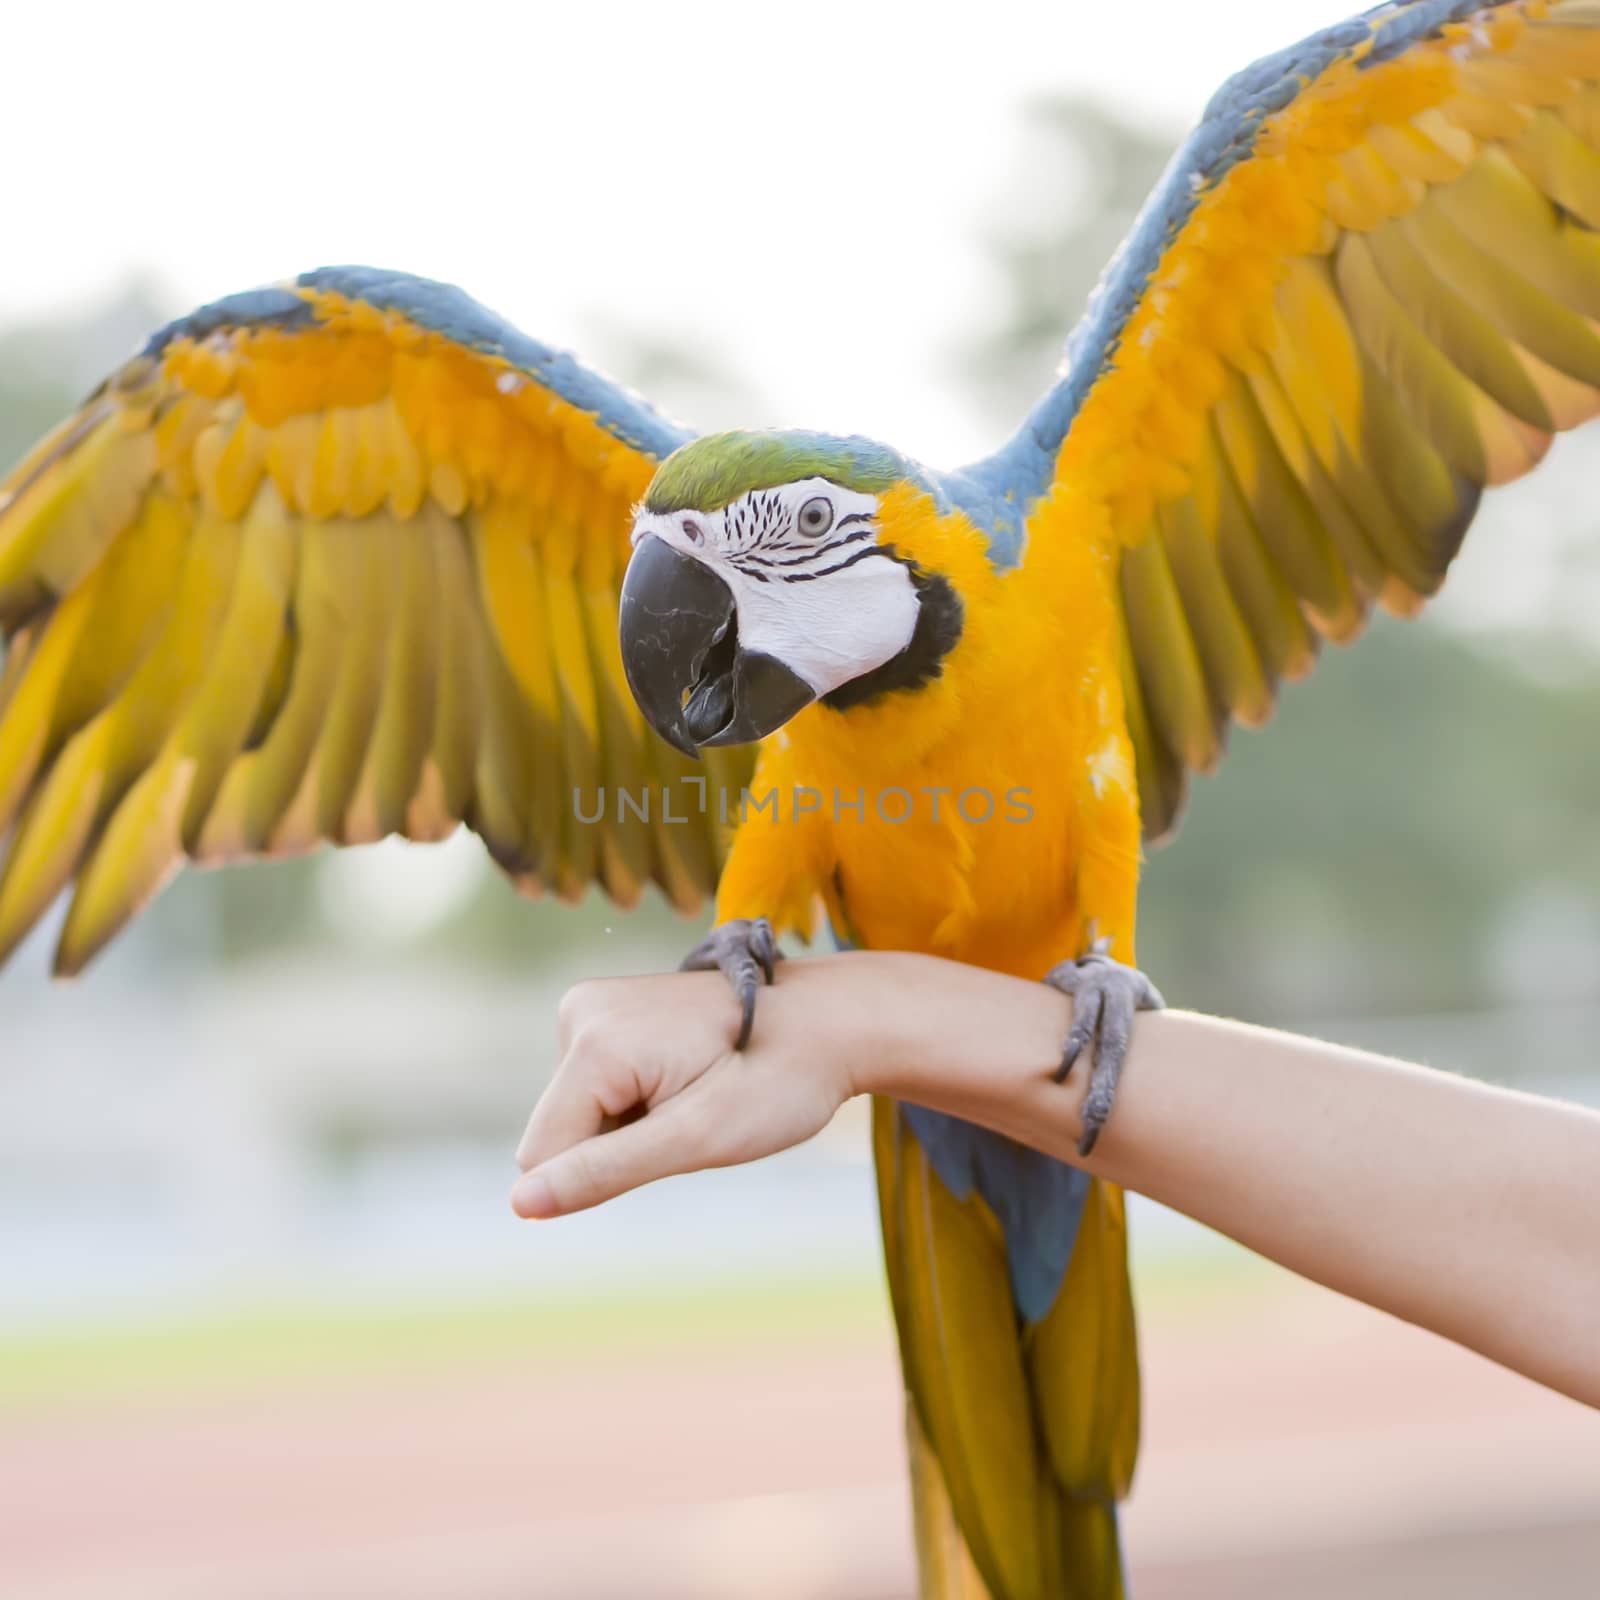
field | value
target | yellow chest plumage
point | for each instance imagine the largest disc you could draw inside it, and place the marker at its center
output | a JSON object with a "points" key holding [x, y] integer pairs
{"points": [[988, 816]]}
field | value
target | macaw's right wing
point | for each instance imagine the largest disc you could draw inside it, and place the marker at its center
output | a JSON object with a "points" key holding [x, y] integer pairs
{"points": [[326, 562]]}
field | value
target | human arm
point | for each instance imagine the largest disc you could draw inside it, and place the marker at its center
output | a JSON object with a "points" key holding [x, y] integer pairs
{"points": [[1470, 1210]]}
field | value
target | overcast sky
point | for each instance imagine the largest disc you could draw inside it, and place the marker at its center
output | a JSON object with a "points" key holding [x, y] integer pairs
{"points": [[797, 186], [799, 190]]}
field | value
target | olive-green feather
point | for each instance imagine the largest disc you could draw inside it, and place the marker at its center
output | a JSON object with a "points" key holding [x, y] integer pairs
{"points": [[708, 473]]}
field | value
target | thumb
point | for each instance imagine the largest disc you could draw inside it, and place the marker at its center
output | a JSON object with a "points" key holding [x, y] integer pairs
{"points": [[661, 1144]]}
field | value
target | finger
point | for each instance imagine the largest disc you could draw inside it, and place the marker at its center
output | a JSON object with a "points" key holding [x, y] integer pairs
{"points": [[573, 1108], [659, 1145]]}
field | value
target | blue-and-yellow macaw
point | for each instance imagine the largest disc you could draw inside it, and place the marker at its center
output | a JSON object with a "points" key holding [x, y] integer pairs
{"points": [[345, 558]]}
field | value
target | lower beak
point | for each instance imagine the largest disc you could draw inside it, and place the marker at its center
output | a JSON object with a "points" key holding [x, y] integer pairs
{"points": [[680, 651]]}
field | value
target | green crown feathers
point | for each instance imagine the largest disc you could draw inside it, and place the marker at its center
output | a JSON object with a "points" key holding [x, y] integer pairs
{"points": [[709, 473]]}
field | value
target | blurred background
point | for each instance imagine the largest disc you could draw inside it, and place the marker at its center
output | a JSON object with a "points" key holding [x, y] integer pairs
{"points": [[267, 1326]]}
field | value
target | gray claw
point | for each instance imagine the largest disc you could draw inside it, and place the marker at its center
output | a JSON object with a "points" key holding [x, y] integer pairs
{"points": [[1105, 996], [742, 951]]}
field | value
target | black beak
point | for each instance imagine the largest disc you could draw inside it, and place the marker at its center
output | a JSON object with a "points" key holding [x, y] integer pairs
{"points": [[680, 651]]}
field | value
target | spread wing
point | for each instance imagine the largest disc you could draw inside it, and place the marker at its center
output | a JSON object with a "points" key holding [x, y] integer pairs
{"points": [[1367, 288], [325, 562]]}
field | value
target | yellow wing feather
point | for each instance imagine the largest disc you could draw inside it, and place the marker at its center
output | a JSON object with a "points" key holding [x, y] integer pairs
{"points": [[319, 574], [1388, 304]]}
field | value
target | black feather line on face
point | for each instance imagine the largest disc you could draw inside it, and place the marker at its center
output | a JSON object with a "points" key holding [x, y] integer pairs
{"points": [[838, 566], [817, 554], [938, 628]]}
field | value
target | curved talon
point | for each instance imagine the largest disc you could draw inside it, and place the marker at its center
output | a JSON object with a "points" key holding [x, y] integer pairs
{"points": [[1085, 1020], [743, 950], [1105, 996]]}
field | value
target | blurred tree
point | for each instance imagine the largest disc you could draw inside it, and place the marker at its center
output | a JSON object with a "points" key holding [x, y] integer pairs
{"points": [[680, 379], [1363, 851], [1055, 225], [49, 364]]}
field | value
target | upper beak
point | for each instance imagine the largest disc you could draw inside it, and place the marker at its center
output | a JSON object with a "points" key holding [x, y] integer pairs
{"points": [[680, 651]]}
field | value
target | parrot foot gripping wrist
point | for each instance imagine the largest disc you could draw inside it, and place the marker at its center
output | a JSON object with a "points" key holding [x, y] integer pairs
{"points": [[743, 951], [1105, 995]]}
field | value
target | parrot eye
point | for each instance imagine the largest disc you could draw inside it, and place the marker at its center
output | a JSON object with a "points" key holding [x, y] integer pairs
{"points": [[816, 517]]}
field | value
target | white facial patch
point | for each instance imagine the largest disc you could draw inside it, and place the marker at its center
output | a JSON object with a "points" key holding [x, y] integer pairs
{"points": [[811, 585]]}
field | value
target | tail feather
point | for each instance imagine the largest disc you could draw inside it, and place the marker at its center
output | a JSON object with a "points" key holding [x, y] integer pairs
{"points": [[1083, 1359], [945, 1568], [963, 1364], [1091, 1552], [1020, 1435]]}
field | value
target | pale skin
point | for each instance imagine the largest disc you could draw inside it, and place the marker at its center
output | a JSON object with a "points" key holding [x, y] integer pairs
{"points": [[1469, 1210]]}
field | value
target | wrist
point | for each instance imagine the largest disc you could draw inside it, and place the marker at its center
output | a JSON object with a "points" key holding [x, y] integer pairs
{"points": [[956, 1038], [860, 1008], [895, 1050]]}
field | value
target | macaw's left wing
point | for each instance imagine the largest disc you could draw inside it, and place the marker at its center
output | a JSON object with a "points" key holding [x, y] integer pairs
{"points": [[328, 561], [1368, 286]]}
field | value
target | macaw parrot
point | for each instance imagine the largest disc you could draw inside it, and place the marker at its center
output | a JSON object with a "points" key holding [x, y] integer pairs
{"points": [[351, 556]]}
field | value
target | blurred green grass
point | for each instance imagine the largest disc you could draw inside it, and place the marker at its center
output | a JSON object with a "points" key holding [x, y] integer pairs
{"points": [[256, 1346]]}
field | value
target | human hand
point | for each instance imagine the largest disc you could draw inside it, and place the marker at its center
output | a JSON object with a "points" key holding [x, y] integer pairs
{"points": [[649, 1084]]}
